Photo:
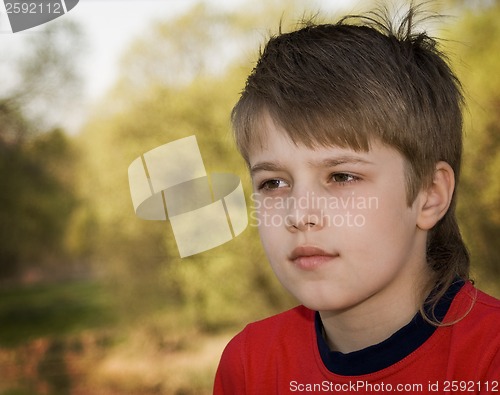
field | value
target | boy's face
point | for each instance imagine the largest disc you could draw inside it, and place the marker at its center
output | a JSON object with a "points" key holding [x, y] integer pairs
{"points": [[335, 223]]}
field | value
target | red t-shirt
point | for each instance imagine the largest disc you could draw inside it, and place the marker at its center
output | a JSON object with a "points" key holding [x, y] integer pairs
{"points": [[281, 355]]}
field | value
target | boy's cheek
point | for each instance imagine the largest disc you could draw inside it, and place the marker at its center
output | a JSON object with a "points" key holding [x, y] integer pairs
{"points": [[267, 211], [263, 218], [271, 218]]}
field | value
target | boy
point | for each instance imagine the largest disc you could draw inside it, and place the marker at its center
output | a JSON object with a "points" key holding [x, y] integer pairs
{"points": [[353, 136]]}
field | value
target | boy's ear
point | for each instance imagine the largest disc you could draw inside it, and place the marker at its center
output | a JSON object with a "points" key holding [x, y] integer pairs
{"points": [[436, 199]]}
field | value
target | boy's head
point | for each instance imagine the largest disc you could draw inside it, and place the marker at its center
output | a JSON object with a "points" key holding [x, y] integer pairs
{"points": [[356, 83], [348, 85]]}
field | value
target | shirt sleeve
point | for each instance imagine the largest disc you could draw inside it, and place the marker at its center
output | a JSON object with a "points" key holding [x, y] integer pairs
{"points": [[230, 376]]}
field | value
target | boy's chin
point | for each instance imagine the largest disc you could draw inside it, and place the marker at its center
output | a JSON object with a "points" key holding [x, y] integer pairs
{"points": [[321, 302]]}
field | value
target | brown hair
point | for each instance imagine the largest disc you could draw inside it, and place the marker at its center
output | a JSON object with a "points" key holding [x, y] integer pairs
{"points": [[358, 80]]}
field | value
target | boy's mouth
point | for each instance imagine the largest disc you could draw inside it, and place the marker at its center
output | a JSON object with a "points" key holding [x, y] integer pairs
{"points": [[310, 257]]}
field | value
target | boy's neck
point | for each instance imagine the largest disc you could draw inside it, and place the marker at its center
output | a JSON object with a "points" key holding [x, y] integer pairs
{"points": [[372, 321]]}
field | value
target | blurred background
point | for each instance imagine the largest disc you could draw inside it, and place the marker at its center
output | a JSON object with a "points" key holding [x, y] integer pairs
{"points": [[94, 300]]}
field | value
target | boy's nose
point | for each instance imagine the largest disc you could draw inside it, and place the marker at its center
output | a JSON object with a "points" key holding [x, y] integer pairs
{"points": [[305, 213], [304, 223]]}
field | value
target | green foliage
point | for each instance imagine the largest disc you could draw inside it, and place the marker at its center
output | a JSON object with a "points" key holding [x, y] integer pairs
{"points": [[35, 200], [476, 45], [30, 313], [37, 160]]}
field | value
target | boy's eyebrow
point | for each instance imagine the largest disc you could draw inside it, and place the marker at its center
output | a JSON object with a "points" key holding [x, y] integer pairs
{"points": [[330, 162], [264, 166]]}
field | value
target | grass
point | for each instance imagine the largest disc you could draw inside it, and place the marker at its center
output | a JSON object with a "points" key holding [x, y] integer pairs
{"points": [[52, 310], [157, 354]]}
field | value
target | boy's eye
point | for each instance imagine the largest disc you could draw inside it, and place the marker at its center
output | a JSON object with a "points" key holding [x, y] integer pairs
{"points": [[272, 184], [344, 178]]}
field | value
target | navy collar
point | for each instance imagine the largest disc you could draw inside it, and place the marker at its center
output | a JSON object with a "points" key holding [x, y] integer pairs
{"points": [[392, 350]]}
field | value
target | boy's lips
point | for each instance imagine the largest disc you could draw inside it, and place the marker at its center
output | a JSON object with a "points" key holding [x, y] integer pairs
{"points": [[310, 257]]}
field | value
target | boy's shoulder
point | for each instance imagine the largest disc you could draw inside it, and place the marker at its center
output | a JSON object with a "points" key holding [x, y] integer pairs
{"points": [[297, 314], [488, 301], [482, 312], [473, 315], [474, 341], [290, 327], [295, 320], [481, 305], [250, 359]]}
